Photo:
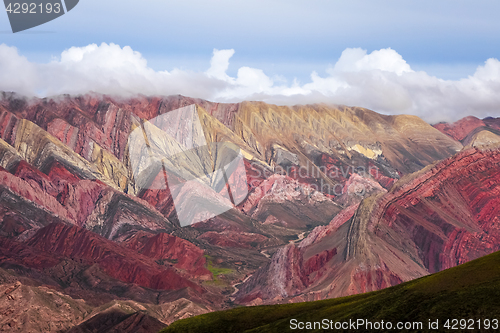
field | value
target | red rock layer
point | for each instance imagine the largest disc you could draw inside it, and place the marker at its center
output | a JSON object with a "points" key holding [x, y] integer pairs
{"points": [[116, 261], [14, 252], [450, 211], [460, 129], [158, 195], [77, 170], [465, 129], [441, 217], [80, 121], [83, 202], [30, 190], [181, 253]]}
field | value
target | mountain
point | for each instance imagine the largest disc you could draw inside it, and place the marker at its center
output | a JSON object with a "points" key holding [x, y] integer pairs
{"points": [[470, 291], [27, 307], [471, 131], [444, 215], [119, 321], [175, 206], [32, 302]]}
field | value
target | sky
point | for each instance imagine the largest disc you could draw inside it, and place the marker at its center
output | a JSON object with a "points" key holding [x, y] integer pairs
{"points": [[436, 59]]}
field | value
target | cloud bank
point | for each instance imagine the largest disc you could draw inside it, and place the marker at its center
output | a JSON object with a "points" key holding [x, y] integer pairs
{"points": [[381, 80]]}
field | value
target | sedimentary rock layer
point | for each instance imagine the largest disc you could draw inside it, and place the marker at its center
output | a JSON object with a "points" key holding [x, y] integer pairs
{"points": [[94, 192], [440, 217]]}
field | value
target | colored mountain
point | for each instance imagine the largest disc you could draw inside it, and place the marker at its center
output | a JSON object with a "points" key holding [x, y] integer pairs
{"points": [[469, 291], [331, 201]]}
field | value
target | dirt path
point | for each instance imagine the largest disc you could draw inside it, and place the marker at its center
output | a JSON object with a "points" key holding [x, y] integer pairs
{"points": [[300, 237], [236, 289]]}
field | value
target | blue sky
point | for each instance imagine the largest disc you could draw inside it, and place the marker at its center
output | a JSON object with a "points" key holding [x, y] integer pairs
{"points": [[286, 40], [291, 38]]}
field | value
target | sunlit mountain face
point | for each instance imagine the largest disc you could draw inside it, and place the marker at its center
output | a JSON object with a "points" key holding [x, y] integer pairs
{"points": [[136, 212]]}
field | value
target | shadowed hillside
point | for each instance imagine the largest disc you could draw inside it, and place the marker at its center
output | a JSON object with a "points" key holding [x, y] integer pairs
{"points": [[468, 291]]}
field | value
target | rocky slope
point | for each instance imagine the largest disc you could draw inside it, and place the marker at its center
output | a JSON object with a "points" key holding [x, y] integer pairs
{"points": [[440, 217], [471, 289], [27, 306], [119, 321], [471, 131]]}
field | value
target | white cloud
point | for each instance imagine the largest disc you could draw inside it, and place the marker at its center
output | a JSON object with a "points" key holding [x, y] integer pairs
{"points": [[16, 72], [219, 65], [356, 59], [380, 80]]}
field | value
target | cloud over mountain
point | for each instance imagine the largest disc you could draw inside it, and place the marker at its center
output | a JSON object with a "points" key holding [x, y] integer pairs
{"points": [[381, 80]]}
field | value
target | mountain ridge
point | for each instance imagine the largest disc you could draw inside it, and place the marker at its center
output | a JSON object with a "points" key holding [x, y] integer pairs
{"points": [[469, 290], [314, 176]]}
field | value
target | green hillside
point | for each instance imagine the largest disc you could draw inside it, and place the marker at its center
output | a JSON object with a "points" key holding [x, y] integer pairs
{"points": [[470, 291]]}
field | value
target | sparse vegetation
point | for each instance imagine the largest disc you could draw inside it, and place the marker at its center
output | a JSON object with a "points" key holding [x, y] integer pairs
{"points": [[471, 290], [216, 271]]}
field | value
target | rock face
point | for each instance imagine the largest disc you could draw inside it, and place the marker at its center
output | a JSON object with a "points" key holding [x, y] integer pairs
{"points": [[285, 199], [472, 288], [89, 135], [27, 308], [443, 216], [183, 254], [460, 129], [321, 209], [128, 266], [467, 129]]}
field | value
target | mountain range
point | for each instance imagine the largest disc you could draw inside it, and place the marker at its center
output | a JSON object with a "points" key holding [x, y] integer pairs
{"points": [[338, 201], [428, 304]]}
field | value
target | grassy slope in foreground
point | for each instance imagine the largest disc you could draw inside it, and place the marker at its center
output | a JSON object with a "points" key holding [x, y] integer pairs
{"points": [[471, 290]]}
